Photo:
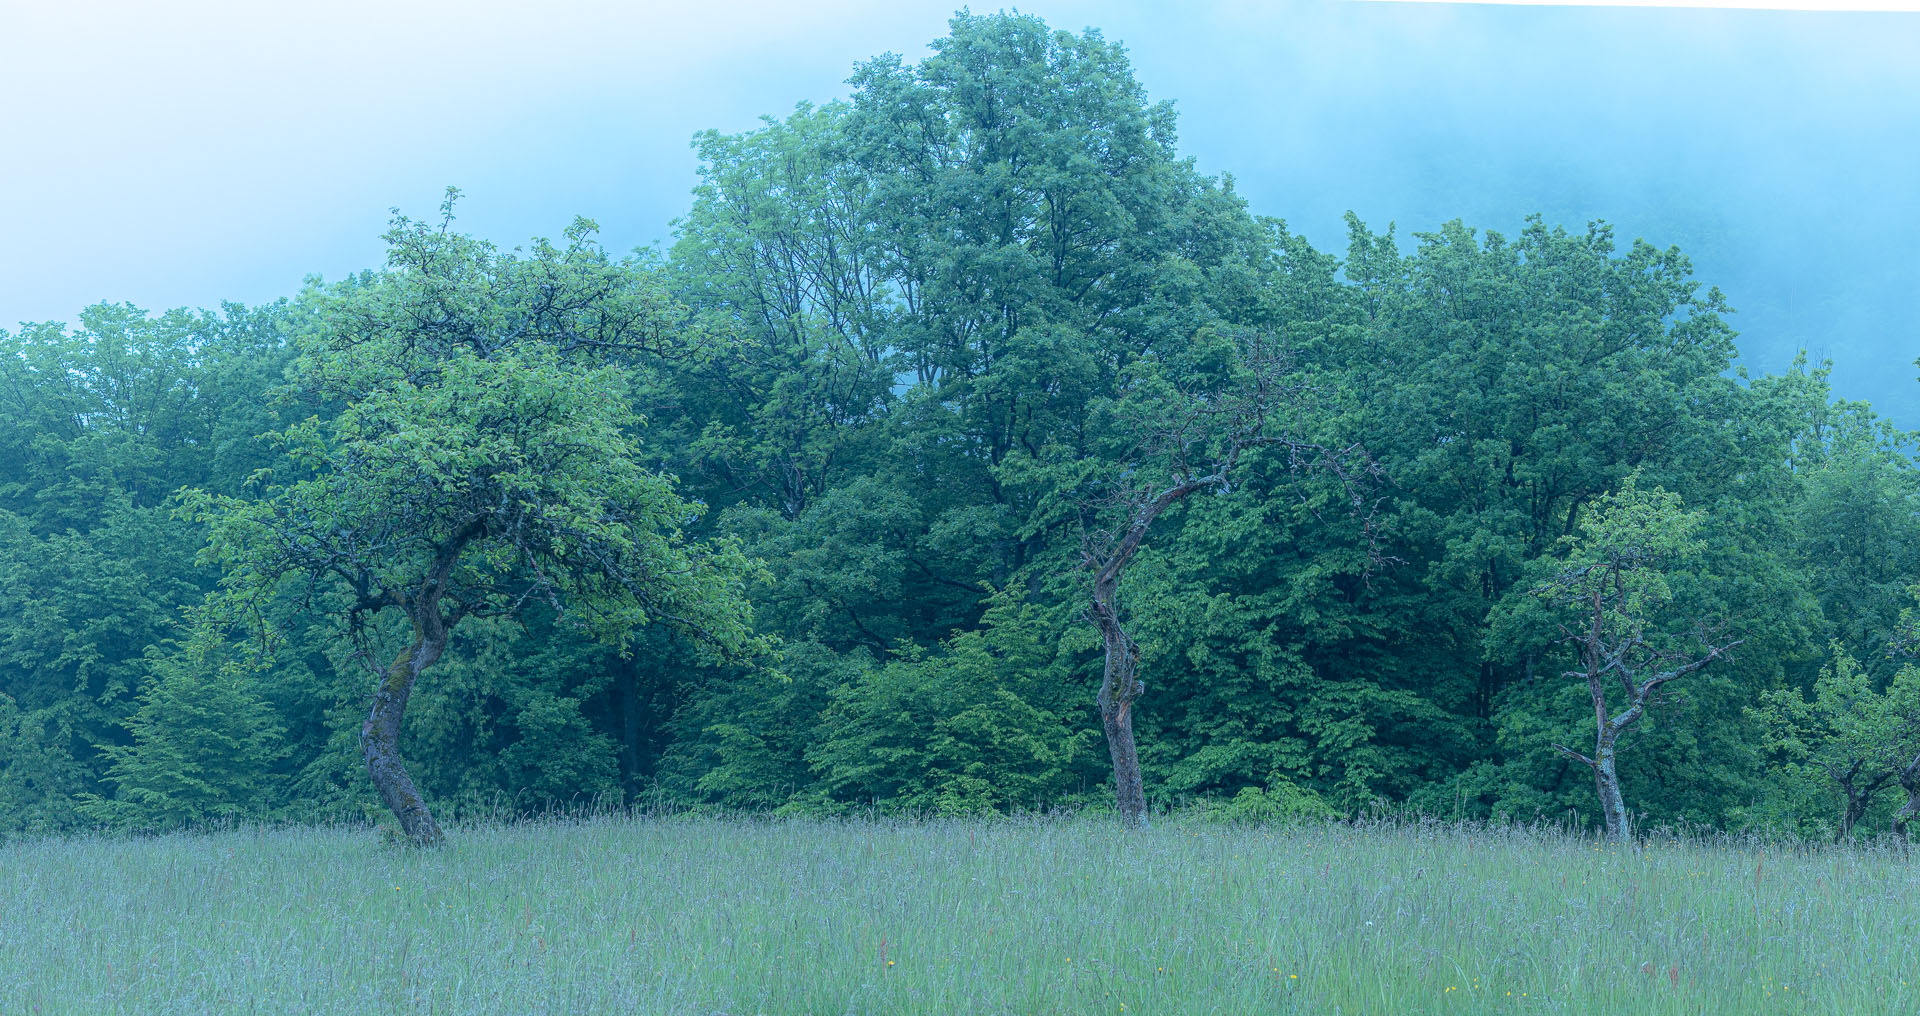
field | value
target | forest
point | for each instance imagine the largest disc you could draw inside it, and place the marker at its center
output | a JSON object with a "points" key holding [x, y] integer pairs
{"points": [[968, 452]]}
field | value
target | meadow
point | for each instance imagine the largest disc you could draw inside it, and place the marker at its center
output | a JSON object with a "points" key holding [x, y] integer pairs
{"points": [[704, 916]]}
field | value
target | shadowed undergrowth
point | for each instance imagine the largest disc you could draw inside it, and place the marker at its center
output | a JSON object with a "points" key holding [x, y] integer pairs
{"points": [[711, 916]]}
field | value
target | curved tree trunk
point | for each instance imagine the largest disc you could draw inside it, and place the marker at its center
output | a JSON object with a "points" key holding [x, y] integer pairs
{"points": [[1119, 687], [380, 741], [1120, 682], [380, 735]]}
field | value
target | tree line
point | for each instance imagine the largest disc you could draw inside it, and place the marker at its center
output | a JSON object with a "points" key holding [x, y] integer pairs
{"points": [[964, 431]]}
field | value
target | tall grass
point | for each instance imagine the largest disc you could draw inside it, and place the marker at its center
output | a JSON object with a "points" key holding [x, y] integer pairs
{"points": [[708, 916]]}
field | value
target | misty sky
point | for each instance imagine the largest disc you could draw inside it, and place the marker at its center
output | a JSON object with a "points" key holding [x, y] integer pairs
{"points": [[187, 153]]}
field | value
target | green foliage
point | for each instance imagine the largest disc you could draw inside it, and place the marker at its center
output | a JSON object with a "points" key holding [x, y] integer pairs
{"points": [[980, 726], [1854, 524], [1629, 541], [508, 715], [900, 344], [1848, 739], [479, 405], [39, 780], [527, 457], [739, 741], [205, 745], [98, 425], [1281, 802], [483, 458]]}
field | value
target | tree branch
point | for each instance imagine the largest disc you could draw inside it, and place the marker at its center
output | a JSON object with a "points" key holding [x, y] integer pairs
{"points": [[1575, 756]]}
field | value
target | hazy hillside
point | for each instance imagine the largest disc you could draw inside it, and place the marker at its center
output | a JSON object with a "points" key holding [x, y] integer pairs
{"points": [[1778, 149]]}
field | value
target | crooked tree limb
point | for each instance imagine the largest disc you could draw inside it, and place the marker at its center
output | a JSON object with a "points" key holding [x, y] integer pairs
{"points": [[1575, 756]]}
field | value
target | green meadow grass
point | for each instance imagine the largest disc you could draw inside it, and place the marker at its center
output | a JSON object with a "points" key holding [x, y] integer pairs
{"points": [[706, 916]]}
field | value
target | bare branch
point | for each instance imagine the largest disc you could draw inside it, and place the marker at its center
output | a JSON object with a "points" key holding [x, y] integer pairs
{"points": [[1575, 756]]}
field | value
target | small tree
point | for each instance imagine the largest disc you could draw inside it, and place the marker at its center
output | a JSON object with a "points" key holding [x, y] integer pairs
{"points": [[1614, 584], [205, 743], [1195, 436], [483, 461], [1861, 740]]}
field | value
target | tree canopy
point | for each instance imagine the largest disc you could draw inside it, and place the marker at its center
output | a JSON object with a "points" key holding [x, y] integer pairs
{"points": [[797, 514], [481, 462]]}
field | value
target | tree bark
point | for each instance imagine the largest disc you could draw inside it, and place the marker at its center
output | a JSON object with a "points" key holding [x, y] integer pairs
{"points": [[1855, 809], [1855, 806], [1120, 683], [1859, 795], [1606, 778], [1119, 687], [1606, 774], [1613, 806], [1604, 663], [380, 742], [380, 735]]}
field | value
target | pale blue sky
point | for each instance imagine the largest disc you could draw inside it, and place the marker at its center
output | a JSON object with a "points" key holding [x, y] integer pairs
{"points": [[186, 153]]}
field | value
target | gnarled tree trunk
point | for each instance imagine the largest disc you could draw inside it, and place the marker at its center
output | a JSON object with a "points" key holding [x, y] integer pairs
{"points": [[1120, 683], [1606, 774], [1119, 687], [1858, 796], [1613, 806], [380, 735], [1606, 661], [380, 742], [1198, 438]]}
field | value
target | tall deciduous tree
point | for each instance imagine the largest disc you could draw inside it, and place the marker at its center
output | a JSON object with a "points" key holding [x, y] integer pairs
{"points": [[1511, 380], [483, 462]]}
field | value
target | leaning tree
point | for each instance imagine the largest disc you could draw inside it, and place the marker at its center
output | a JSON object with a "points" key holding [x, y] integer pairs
{"points": [[474, 453], [1179, 436]]}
